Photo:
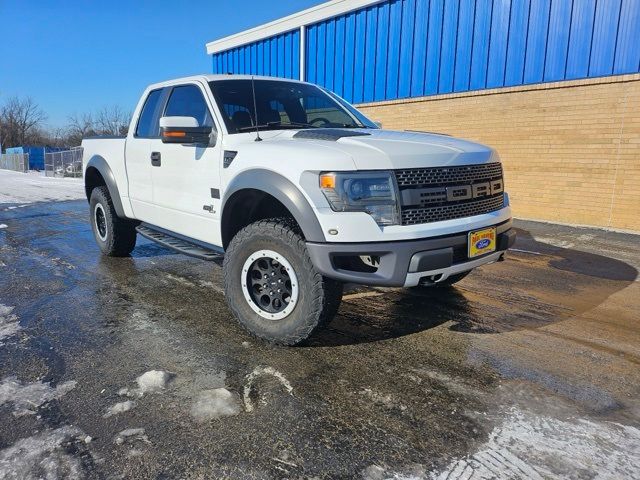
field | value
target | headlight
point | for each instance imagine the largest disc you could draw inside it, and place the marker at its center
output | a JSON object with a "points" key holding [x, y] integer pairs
{"points": [[370, 192]]}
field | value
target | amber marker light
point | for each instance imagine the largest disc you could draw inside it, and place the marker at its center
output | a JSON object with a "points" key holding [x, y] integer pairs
{"points": [[174, 134], [327, 180]]}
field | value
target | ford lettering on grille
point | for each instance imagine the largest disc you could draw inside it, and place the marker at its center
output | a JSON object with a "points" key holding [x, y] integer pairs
{"points": [[431, 195]]}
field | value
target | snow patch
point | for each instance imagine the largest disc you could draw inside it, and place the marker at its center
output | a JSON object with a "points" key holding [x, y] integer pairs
{"points": [[152, 381], [258, 371], [3, 225], [130, 435], [149, 382], [9, 325], [119, 407], [539, 447], [27, 398], [216, 403], [16, 187], [42, 456]]}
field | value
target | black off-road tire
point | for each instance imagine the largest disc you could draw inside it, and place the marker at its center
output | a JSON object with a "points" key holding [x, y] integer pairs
{"points": [[455, 278], [118, 238], [318, 296]]}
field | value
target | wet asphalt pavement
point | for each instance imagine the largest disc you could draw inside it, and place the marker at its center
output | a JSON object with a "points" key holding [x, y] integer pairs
{"points": [[528, 368]]}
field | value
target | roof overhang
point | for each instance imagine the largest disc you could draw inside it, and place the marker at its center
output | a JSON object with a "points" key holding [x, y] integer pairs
{"points": [[309, 16]]}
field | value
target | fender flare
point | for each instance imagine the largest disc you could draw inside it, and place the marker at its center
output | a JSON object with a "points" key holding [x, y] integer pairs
{"points": [[101, 165], [282, 190]]}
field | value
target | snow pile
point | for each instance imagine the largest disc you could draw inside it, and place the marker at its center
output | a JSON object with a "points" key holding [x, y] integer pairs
{"points": [[24, 188], [152, 381], [43, 456], [538, 447], [131, 435], [119, 408], [215, 403], [3, 225], [9, 325], [148, 382], [257, 372], [27, 398]]}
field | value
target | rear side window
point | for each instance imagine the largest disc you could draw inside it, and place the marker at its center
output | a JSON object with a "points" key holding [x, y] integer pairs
{"points": [[148, 123], [187, 101]]}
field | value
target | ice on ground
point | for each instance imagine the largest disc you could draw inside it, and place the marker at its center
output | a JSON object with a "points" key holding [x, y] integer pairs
{"points": [[152, 381], [119, 407], [9, 324], [23, 188], [27, 398], [215, 403], [538, 447], [257, 372], [43, 456], [130, 435]]}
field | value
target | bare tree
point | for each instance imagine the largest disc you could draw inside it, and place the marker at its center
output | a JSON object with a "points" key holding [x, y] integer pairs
{"points": [[112, 121], [20, 121], [79, 127]]}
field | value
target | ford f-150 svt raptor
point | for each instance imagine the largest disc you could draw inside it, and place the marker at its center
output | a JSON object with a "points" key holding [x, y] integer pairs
{"points": [[299, 190]]}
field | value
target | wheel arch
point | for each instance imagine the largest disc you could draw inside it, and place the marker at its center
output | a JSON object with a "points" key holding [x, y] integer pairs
{"points": [[263, 190], [98, 173]]}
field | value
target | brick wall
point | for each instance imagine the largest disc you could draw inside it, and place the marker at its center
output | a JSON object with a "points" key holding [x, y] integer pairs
{"points": [[571, 150]]}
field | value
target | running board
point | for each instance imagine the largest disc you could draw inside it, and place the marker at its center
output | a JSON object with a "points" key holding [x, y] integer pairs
{"points": [[178, 244]]}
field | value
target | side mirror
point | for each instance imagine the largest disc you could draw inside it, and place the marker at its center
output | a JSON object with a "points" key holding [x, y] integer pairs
{"points": [[184, 130]]}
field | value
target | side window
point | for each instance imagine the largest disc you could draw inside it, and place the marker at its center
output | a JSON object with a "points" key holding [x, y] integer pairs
{"points": [[187, 101], [146, 125]]}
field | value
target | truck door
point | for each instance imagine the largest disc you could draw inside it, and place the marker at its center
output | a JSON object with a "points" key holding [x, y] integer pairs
{"points": [[138, 148], [186, 178]]}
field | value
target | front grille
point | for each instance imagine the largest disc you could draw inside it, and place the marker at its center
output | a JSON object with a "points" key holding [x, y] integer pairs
{"points": [[413, 216], [416, 177]]}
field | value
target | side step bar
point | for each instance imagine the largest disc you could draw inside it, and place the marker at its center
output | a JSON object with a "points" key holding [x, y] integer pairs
{"points": [[178, 244]]}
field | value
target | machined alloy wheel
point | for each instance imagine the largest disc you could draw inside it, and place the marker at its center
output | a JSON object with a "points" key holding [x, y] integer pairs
{"points": [[269, 284], [272, 286]]}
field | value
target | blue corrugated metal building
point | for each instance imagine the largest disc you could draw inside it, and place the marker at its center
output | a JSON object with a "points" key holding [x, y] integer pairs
{"points": [[382, 50], [553, 85]]}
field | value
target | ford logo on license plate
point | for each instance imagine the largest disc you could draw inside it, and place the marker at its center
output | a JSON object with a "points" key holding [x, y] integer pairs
{"points": [[484, 243]]}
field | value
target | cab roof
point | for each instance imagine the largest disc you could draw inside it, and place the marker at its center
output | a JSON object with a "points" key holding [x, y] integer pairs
{"points": [[213, 78]]}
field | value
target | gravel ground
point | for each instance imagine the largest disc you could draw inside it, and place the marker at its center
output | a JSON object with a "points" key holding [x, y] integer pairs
{"points": [[134, 368]]}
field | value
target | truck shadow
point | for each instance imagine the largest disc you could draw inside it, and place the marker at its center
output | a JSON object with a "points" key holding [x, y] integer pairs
{"points": [[537, 285]]}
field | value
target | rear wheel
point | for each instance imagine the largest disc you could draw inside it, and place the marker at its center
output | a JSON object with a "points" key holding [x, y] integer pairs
{"points": [[272, 287], [115, 236]]}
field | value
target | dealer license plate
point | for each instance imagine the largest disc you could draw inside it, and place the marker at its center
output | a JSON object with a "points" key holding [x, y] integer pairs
{"points": [[482, 241]]}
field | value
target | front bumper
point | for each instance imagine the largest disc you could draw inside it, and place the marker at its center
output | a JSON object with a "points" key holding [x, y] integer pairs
{"points": [[407, 263]]}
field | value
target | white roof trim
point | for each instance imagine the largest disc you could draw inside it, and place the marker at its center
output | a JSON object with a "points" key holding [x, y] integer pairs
{"points": [[311, 15]]}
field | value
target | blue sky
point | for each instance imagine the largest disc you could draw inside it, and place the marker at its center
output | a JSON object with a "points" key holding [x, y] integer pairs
{"points": [[77, 56]]}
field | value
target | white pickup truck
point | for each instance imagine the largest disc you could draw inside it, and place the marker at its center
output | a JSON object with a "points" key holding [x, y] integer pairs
{"points": [[300, 191]]}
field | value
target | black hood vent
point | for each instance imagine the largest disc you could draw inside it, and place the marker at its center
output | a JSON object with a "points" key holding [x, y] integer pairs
{"points": [[329, 134]]}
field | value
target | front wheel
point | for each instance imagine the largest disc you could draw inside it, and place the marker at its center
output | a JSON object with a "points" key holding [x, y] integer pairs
{"points": [[115, 236], [272, 287]]}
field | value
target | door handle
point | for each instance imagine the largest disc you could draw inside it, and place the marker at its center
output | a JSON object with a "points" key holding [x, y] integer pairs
{"points": [[155, 159]]}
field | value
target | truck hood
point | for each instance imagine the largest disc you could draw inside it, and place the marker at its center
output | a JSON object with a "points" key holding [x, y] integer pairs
{"points": [[372, 149]]}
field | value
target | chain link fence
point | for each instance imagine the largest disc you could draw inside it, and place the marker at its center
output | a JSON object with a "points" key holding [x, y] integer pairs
{"points": [[66, 163], [18, 162]]}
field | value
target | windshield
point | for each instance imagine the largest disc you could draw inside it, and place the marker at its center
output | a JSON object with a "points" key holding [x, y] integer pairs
{"points": [[281, 105]]}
